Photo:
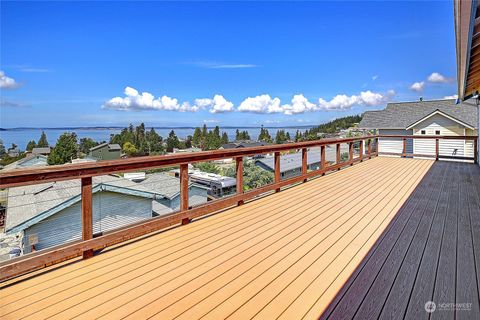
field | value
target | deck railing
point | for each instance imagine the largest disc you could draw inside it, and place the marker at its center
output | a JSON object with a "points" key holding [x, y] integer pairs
{"points": [[436, 154], [367, 147]]}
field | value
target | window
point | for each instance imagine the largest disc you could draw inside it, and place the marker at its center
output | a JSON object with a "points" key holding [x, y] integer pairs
{"points": [[437, 132], [423, 132]]}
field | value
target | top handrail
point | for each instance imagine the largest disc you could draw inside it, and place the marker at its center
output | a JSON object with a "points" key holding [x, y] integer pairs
{"points": [[38, 175]]}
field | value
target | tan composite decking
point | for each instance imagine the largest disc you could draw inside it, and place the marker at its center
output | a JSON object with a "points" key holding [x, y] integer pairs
{"points": [[282, 256]]}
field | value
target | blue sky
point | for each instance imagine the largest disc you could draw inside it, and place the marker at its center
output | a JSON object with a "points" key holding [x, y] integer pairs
{"points": [[300, 63]]}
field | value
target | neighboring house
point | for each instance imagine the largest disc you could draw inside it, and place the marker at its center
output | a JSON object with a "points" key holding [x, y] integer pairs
{"points": [[436, 117], [169, 188], [30, 160], [106, 151], [291, 164], [43, 151], [13, 152], [49, 214]]}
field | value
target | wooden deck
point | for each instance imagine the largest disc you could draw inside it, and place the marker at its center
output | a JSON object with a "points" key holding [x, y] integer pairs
{"points": [[431, 252], [283, 256]]}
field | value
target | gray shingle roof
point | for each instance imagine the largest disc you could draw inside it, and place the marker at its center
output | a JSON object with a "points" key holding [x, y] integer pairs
{"points": [[401, 115], [45, 150]]}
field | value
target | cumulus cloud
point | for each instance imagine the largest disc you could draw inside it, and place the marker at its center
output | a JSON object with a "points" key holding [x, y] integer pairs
{"points": [[134, 100], [216, 105], [7, 82], [299, 104], [418, 86], [365, 98], [436, 77], [455, 96], [261, 104]]}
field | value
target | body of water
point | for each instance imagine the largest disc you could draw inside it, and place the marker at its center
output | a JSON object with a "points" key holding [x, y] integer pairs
{"points": [[22, 136]]}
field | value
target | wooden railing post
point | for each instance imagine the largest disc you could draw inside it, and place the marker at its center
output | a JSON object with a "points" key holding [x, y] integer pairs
{"points": [[239, 170], [304, 163], [277, 169], [322, 159], [475, 150], [350, 153], [339, 156], [184, 190], [437, 149], [404, 153], [361, 150], [87, 214], [369, 148]]}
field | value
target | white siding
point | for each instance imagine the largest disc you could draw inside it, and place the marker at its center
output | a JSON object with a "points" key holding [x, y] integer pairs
{"points": [[110, 210], [447, 127], [394, 145]]}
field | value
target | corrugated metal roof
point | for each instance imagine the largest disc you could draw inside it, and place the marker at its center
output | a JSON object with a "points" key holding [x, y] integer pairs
{"points": [[401, 115]]}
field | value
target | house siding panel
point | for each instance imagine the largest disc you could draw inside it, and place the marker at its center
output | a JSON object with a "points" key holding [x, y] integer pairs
{"points": [[446, 127], [394, 145]]}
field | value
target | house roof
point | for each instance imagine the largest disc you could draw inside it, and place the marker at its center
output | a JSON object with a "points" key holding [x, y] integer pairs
{"points": [[30, 204], [45, 150], [291, 161], [111, 146], [164, 184], [402, 115], [244, 144], [23, 163]]}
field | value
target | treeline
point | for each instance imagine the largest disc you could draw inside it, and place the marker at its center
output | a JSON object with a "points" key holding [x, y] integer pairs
{"points": [[328, 128], [137, 141], [209, 139]]}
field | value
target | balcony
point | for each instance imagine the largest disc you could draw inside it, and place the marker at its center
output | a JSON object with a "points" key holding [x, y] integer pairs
{"points": [[372, 238]]}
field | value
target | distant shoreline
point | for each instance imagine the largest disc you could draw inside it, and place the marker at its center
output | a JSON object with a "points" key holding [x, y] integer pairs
{"points": [[121, 127]]}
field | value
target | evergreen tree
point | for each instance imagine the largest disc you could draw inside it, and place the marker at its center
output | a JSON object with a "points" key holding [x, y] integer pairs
{"points": [[281, 137], [264, 135], [224, 138], [65, 149], [242, 135], [86, 144], [197, 138], [31, 144], [42, 142], [172, 141]]}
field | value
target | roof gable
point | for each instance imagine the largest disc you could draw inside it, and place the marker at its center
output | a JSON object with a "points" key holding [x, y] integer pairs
{"points": [[402, 115], [438, 112]]}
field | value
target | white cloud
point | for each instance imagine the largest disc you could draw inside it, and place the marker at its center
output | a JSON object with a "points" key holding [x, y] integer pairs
{"points": [[365, 98], [436, 77], [7, 82], [418, 86], [299, 104], [146, 101], [210, 121], [261, 104], [455, 96], [217, 105], [375, 77]]}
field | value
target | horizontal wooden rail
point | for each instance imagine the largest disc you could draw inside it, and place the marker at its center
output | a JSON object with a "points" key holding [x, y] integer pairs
{"points": [[37, 175]]}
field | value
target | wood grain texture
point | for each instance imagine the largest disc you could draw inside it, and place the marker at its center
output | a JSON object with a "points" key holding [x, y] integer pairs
{"points": [[285, 255]]}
